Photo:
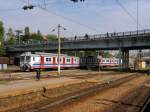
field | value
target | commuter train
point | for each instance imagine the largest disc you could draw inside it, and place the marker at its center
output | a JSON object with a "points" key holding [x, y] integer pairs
{"points": [[92, 62], [31, 61]]}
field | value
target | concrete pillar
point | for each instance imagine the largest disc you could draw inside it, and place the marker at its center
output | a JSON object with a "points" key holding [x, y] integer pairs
{"points": [[124, 59], [120, 59]]}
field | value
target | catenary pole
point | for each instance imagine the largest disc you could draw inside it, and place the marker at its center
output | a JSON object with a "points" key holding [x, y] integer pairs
{"points": [[58, 49]]}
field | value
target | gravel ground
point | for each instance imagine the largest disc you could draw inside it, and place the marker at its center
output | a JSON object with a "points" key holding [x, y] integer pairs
{"points": [[27, 92], [108, 101]]}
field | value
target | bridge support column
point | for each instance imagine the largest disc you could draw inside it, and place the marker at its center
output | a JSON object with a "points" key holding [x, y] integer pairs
{"points": [[124, 59]]}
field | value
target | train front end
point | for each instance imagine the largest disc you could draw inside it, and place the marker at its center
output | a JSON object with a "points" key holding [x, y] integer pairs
{"points": [[25, 62]]}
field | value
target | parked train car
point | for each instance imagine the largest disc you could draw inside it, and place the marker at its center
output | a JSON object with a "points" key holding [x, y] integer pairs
{"points": [[30, 61], [88, 62], [91, 62]]}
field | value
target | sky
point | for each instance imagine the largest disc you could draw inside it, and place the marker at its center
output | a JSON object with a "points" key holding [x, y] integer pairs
{"points": [[91, 16]]}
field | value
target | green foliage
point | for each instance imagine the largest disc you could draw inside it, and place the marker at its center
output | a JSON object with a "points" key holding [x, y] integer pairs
{"points": [[90, 53], [11, 41], [26, 34], [10, 33], [36, 36], [1, 31], [118, 55], [2, 50], [33, 36], [39, 33], [81, 53], [51, 37], [26, 31], [107, 55]]}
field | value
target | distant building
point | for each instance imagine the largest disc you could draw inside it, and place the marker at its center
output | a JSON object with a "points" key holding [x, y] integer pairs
{"points": [[3, 63], [142, 64]]}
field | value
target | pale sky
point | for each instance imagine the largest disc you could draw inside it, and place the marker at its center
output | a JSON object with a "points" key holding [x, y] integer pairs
{"points": [[91, 16]]}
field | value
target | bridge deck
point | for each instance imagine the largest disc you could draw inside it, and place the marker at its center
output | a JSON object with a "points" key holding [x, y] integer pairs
{"points": [[126, 40]]}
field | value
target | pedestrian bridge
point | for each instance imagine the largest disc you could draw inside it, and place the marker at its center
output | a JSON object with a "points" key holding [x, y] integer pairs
{"points": [[109, 41]]}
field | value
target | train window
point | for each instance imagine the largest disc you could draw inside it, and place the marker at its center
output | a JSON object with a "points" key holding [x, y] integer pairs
{"points": [[75, 60], [28, 58], [47, 59], [107, 60], [103, 60], [33, 58], [22, 58], [68, 60]]}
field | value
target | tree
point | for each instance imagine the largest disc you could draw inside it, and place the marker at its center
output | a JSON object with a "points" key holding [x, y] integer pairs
{"points": [[35, 36], [10, 34], [11, 41], [2, 49], [39, 35], [1, 31], [107, 55], [51, 37], [26, 33], [27, 30]]}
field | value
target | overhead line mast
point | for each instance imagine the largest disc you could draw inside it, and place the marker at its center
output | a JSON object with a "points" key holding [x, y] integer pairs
{"points": [[137, 16]]}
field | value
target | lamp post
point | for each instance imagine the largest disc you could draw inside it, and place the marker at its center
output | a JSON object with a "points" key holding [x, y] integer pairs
{"points": [[59, 45]]}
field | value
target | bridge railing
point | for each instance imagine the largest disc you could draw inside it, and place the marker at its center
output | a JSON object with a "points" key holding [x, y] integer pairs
{"points": [[93, 37], [112, 35]]}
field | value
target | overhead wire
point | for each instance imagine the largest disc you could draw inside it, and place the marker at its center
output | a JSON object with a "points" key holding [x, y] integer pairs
{"points": [[127, 12], [5, 10], [65, 18]]}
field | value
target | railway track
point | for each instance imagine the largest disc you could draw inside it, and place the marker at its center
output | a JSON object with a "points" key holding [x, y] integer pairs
{"points": [[136, 101], [79, 95], [146, 106]]}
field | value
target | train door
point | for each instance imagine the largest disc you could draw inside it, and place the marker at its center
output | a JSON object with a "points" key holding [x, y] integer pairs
{"points": [[72, 61], [54, 62], [64, 61], [42, 62]]}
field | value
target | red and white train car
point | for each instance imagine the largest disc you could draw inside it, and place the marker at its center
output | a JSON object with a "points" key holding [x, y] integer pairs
{"points": [[108, 62], [91, 61], [30, 61]]}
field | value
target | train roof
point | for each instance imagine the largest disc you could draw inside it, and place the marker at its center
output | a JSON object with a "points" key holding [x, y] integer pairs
{"points": [[41, 54]]}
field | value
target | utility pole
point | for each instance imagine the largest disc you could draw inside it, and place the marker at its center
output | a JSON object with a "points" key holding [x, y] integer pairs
{"points": [[140, 51], [137, 16], [59, 48], [59, 45]]}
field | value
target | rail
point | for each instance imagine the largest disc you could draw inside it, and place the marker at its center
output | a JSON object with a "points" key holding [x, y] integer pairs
{"points": [[145, 105], [85, 93]]}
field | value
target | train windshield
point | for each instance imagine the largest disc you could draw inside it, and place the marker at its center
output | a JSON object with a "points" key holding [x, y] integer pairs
{"points": [[22, 58], [28, 58]]}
